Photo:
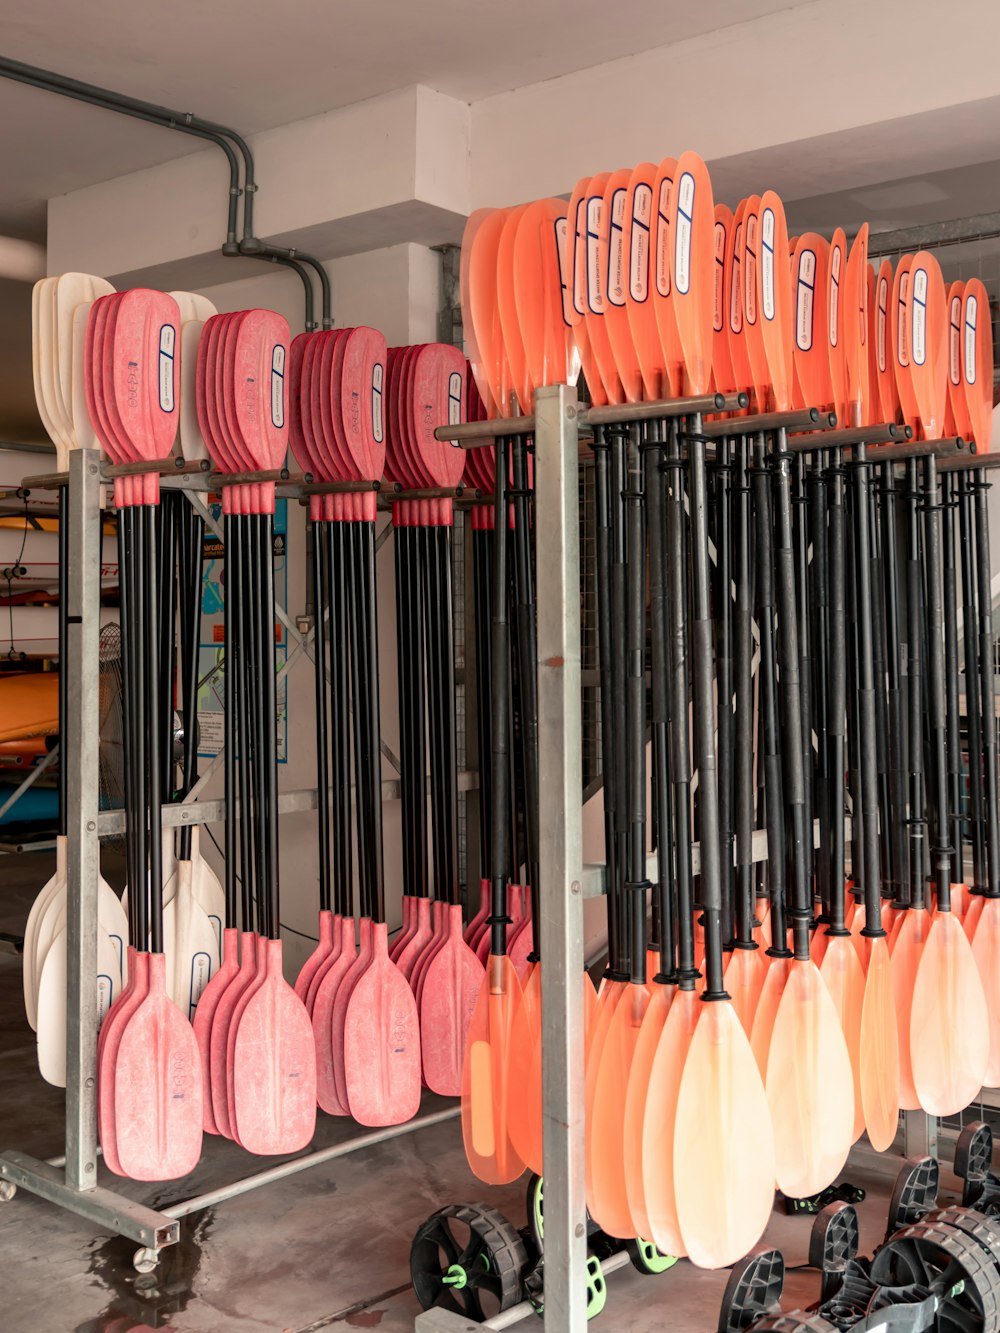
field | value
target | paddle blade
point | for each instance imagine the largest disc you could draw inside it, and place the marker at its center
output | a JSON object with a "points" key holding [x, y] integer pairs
{"points": [[844, 977], [610, 1194], [488, 1149], [906, 949], [575, 265], [382, 1045], [836, 312], [810, 1086], [659, 1122], [469, 333], [524, 1104], [928, 343], [616, 319], [738, 352], [776, 309], [744, 977], [510, 325], [692, 229], [767, 1008], [977, 361], [899, 321], [204, 1016], [879, 1046], [663, 293], [635, 1103], [958, 420], [949, 1021], [639, 302], [753, 330], [885, 369], [158, 1088], [724, 1192], [274, 1067], [452, 983], [596, 271], [855, 331], [485, 308], [723, 374], [986, 951], [543, 294]]}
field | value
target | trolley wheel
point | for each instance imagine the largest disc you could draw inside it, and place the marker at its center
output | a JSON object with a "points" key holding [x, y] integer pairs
{"points": [[534, 1204], [939, 1259], [7, 1190], [469, 1259], [647, 1258], [795, 1321], [597, 1287], [914, 1194], [974, 1161], [833, 1244], [145, 1260], [980, 1226], [753, 1290]]}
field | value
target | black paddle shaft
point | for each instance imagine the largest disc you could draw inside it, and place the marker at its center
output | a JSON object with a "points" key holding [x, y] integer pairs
{"points": [[340, 690], [973, 709], [836, 693], [229, 741], [500, 721], [744, 719], [320, 536], [941, 851], [952, 709], [191, 535], [819, 664], [154, 716], [915, 693], [269, 754], [987, 671], [527, 668], [370, 695], [635, 705], [896, 815], [724, 669]]}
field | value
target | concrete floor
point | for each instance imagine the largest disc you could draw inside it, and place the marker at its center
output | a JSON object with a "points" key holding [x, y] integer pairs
{"points": [[324, 1248]]}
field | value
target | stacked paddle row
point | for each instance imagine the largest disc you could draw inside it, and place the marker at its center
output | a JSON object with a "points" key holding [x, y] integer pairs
{"points": [[365, 1027], [671, 294]]}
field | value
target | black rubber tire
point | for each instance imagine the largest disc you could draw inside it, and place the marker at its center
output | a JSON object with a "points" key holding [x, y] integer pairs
{"points": [[494, 1246], [938, 1254]]}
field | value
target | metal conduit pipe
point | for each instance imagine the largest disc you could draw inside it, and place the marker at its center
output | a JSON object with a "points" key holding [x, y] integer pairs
{"points": [[222, 136]]}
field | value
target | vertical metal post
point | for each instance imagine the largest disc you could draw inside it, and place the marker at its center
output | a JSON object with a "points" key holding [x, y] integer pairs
{"points": [[79, 746], [557, 538]]}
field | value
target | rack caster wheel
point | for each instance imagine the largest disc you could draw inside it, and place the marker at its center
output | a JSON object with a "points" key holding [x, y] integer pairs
{"points": [[753, 1291], [597, 1287], [974, 1167], [463, 1254], [7, 1190], [145, 1260], [915, 1193], [646, 1258], [936, 1258]]}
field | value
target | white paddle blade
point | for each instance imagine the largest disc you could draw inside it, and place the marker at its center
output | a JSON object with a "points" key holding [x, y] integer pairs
{"points": [[190, 944], [31, 962], [51, 1035]]}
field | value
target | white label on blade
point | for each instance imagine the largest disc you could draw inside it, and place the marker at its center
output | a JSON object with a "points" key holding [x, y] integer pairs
{"points": [[579, 259], [736, 291], [955, 341], [642, 209], [902, 340], [595, 297], [750, 271], [278, 386], [719, 292], [201, 973], [882, 319], [805, 300], [560, 233], [616, 250], [767, 264], [105, 994], [663, 237], [918, 337], [378, 379], [836, 259], [682, 241], [454, 398], [168, 339], [971, 319]]}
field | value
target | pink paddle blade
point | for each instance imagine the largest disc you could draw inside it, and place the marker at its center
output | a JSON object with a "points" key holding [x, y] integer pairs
{"points": [[361, 359], [158, 1088], [318, 956], [338, 1018], [436, 396], [322, 1022], [340, 926], [145, 355], [274, 1068], [408, 957], [219, 1038], [258, 369], [451, 986], [484, 899], [204, 1017], [382, 1043], [109, 1042]]}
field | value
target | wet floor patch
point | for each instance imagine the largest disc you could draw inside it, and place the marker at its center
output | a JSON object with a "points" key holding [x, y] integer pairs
{"points": [[146, 1301]]}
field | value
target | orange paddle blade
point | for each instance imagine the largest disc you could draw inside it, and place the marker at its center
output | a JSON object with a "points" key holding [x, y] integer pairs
{"points": [[974, 911], [158, 1087], [635, 1103], [608, 1185], [659, 1122], [485, 308], [907, 946], [663, 302], [949, 1021], [488, 1148], [899, 320], [977, 362], [274, 1067], [596, 270], [745, 973], [608, 999], [639, 303], [575, 264], [986, 951], [810, 1086], [508, 308], [879, 1044], [739, 354], [753, 330], [611, 248], [767, 1009], [958, 409], [524, 1092], [775, 287], [835, 309], [724, 1192], [888, 393], [543, 295], [928, 343], [692, 272], [811, 349], [452, 983], [469, 334], [855, 331], [723, 374], [844, 978]]}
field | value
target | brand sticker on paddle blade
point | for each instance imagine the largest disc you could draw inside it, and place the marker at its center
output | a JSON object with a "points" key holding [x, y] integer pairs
{"points": [[663, 238], [767, 264], [378, 376], [561, 230], [971, 318], [955, 342], [918, 336], [278, 386], [805, 300], [736, 292], [682, 241], [454, 398], [579, 259], [836, 260], [719, 292], [902, 342], [616, 250], [750, 271], [881, 322], [642, 208], [168, 340], [595, 297]]}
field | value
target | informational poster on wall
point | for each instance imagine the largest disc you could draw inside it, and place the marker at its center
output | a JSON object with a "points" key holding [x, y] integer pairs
{"points": [[211, 665]]}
